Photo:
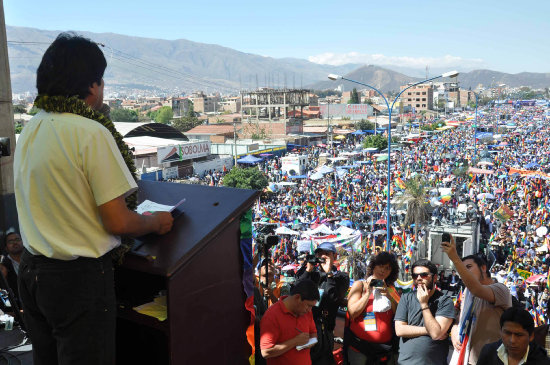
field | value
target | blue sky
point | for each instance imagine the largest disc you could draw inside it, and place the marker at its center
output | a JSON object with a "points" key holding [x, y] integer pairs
{"points": [[507, 36]]}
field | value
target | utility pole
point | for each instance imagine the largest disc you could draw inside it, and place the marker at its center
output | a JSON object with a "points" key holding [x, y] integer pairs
{"points": [[8, 212], [235, 140]]}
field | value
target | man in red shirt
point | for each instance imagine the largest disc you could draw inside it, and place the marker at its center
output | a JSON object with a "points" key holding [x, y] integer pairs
{"points": [[289, 323]]}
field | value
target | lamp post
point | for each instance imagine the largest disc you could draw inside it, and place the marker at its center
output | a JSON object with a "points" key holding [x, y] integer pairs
{"points": [[336, 77], [328, 120], [497, 117], [475, 127]]}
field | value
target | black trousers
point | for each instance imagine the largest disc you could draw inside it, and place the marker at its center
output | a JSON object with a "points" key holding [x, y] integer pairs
{"points": [[69, 309]]}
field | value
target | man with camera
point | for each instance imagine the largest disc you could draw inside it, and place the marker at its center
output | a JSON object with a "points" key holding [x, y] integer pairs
{"points": [[490, 300], [333, 286]]}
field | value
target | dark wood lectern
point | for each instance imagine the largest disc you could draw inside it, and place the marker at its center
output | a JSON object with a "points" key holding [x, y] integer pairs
{"points": [[199, 266]]}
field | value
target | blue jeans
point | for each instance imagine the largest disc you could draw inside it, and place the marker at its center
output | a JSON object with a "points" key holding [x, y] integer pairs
{"points": [[69, 309]]}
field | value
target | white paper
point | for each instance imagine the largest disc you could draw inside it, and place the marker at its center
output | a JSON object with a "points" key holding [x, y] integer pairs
{"points": [[312, 341], [149, 206]]}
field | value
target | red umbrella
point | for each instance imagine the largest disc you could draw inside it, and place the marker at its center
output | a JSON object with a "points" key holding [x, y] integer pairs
{"points": [[381, 221]]}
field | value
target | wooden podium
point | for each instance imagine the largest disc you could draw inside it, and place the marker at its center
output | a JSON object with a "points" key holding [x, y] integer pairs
{"points": [[199, 267]]}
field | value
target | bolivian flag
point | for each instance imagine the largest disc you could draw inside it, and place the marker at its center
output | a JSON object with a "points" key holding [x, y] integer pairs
{"points": [[310, 204], [399, 183]]}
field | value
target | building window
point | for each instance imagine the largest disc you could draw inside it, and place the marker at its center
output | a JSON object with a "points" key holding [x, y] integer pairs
{"points": [[424, 93], [418, 105], [423, 99], [418, 93], [423, 105]]}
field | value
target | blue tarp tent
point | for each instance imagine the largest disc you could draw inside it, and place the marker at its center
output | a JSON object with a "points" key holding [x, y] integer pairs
{"points": [[249, 159]]}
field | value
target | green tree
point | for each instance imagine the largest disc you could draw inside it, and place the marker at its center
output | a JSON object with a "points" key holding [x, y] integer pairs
{"points": [[33, 110], [376, 141], [164, 115], [18, 128], [325, 93], [245, 178], [19, 109], [416, 192], [121, 115], [354, 97], [440, 104], [188, 122], [364, 125], [461, 171]]}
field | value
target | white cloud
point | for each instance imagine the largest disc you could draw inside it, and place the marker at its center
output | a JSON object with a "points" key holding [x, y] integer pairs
{"points": [[446, 61]]}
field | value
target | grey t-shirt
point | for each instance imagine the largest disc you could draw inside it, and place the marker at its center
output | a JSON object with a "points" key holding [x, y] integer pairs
{"points": [[423, 350]]}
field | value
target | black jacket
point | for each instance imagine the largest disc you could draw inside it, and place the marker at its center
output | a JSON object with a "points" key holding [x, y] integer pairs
{"points": [[334, 293], [488, 356]]}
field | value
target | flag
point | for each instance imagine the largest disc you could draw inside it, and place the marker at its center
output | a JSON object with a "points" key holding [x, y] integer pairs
{"points": [[399, 183], [503, 213], [472, 181], [513, 189], [310, 204]]}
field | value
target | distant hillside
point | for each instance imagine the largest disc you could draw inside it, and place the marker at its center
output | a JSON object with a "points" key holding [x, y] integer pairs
{"points": [[381, 78], [488, 78], [183, 65], [387, 80]]}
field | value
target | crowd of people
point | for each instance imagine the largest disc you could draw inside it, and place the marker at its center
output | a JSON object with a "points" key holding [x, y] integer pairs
{"points": [[499, 182]]}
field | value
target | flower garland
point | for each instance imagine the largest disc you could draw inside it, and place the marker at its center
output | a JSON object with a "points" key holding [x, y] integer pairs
{"points": [[74, 105]]}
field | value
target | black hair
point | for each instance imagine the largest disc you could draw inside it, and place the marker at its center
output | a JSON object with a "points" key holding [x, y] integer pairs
{"points": [[307, 289], [70, 66], [425, 263], [519, 316], [480, 261], [384, 258]]}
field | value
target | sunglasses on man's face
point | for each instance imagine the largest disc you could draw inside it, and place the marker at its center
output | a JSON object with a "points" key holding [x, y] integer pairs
{"points": [[423, 275]]}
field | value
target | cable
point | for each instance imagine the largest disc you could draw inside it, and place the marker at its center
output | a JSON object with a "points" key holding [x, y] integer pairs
{"points": [[121, 56], [150, 66], [165, 73]]}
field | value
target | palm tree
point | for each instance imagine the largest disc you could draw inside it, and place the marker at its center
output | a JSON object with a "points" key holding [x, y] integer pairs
{"points": [[414, 197]]}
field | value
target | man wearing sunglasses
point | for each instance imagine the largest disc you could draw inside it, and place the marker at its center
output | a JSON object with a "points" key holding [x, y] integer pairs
{"points": [[423, 319]]}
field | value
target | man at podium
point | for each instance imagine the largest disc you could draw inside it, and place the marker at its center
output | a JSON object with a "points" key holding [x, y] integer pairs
{"points": [[71, 181]]}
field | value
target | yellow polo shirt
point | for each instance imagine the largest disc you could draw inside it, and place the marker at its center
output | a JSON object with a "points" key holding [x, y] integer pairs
{"points": [[65, 166]]}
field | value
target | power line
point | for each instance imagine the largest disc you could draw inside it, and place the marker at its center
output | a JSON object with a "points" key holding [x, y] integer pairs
{"points": [[149, 66]]}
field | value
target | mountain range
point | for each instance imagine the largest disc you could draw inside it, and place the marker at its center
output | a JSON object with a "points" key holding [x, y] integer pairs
{"points": [[183, 66]]}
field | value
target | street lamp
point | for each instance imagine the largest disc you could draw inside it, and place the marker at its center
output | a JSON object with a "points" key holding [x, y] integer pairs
{"points": [[497, 117], [475, 127], [336, 77]]}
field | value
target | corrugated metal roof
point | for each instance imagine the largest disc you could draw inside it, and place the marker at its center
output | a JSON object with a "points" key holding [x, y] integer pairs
{"points": [[125, 128], [211, 129]]}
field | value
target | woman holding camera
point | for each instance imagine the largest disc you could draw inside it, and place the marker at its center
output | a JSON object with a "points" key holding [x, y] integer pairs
{"points": [[371, 307]]}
